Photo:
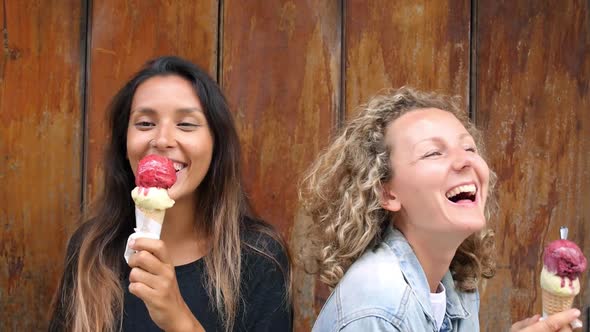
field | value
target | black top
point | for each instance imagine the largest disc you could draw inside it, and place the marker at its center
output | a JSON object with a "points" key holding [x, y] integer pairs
{"points": [[262, 306]]}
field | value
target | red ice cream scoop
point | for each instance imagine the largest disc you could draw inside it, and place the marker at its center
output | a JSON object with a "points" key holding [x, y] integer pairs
{"points": [[155, 171], [564, 258]]}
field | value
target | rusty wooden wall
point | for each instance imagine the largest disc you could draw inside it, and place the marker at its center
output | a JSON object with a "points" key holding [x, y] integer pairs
{"points": [[293, 71], [40, 151]]}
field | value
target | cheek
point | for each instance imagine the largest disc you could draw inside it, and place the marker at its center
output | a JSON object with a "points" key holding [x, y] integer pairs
{"points": [[404, 190], [204, 158], [485, 178], [202, 152], [428, 177], [133, 165], [484, 173], [135, 149]]}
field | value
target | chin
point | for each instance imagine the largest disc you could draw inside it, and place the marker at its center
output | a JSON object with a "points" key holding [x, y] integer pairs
{"points": [[468, 226], [475, 226]]}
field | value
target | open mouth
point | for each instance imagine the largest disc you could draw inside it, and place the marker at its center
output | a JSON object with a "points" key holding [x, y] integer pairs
{"points": [[178, 166], [462, 194]]}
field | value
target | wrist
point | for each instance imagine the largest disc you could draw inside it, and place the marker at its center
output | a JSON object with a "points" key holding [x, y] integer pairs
{"points": [[187, 323]]}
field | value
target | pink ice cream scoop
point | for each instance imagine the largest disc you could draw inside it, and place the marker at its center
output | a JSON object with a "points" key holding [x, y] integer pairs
{"points": [[155, 171], [564, 258]]}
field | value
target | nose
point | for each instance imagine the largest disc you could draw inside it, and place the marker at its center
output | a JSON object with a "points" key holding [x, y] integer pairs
{"points": [[164, 138], [462, 159]]}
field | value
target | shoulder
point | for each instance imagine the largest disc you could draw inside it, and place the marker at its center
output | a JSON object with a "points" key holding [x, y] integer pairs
{"points": [[265, 280], [265, 260], [377, 271], [372, 289], [262, 245]]}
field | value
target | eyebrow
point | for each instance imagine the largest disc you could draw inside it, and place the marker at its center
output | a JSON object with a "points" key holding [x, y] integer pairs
{"points": [[437, 139], [462, 136], [189, 110], [150, 111]]}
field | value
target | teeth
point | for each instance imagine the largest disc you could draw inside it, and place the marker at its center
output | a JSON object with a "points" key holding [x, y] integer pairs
{"points": [[178, 166], [470, 188]]}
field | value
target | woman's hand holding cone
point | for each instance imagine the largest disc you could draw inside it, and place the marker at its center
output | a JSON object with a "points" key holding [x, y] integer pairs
{"points": [[153, 280], [561, 322]]}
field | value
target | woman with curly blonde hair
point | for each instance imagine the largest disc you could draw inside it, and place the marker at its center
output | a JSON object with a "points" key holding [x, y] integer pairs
{"points": [[399, 203]]}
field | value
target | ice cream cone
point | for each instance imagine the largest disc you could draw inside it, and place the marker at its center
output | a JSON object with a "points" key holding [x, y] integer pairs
{"points": [[155, 175], [554, 303], [155, 215]]}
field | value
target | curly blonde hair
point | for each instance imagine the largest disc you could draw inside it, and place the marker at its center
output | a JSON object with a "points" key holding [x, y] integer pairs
{"points": [[342, 190]]}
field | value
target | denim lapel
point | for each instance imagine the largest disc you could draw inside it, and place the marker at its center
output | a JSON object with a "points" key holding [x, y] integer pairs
{"points": [[416, 278], [411, 268], [455, 306]]}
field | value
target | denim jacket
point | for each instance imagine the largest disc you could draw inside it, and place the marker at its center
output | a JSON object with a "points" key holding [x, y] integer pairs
{"points": [[386, 290]]}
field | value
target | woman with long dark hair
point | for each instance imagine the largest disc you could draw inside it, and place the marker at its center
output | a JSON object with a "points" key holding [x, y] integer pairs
{"points": [[216, 266]]}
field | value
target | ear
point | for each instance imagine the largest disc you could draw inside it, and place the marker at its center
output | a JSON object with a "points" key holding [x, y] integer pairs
{"points": [[389, 200]]}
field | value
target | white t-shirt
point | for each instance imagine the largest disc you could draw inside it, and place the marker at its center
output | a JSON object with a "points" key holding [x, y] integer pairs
{"points": [[439, 305]]}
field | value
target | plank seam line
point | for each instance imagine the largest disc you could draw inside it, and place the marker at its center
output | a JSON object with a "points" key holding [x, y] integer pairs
{"points": [[341, 109], [219, 65], [472, 83], [85, 42]]}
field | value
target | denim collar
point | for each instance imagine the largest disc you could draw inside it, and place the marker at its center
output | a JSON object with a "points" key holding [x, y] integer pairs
{"points": [[416, 278]]}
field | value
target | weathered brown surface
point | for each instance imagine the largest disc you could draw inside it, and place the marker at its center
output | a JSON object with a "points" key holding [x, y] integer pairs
{"points": [[533, 102], [40, 150], [424, 44], [281, 73], [281, 68], [125, 34]]}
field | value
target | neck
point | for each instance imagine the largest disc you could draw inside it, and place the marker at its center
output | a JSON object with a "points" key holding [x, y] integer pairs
{"points": [[180, 222], [435, 255], [184, 239]]}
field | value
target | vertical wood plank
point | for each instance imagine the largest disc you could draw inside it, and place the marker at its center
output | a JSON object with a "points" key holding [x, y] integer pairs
{"points": [[281, 72], [533, 102], [40, 139], [125, 34], [424, 44]]}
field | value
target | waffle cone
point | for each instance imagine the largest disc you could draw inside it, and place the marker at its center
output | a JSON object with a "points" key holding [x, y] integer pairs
{"points": [[553, 303], [155, 215]]}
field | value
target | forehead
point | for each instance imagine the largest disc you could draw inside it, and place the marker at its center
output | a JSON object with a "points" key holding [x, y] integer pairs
{"points": [[165, 88], [423, 123]]}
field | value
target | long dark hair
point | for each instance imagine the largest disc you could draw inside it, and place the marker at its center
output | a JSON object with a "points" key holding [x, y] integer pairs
{"points": [[90, 292]]}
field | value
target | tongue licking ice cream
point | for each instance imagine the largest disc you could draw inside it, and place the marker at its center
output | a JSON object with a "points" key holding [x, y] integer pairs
{"points": [[563, 262], [155, 174]]}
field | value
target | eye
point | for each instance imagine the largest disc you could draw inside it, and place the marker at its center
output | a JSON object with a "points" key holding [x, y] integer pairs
{"points": [[430, 154], [471, 149], [144, 125], [188, 126]]}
